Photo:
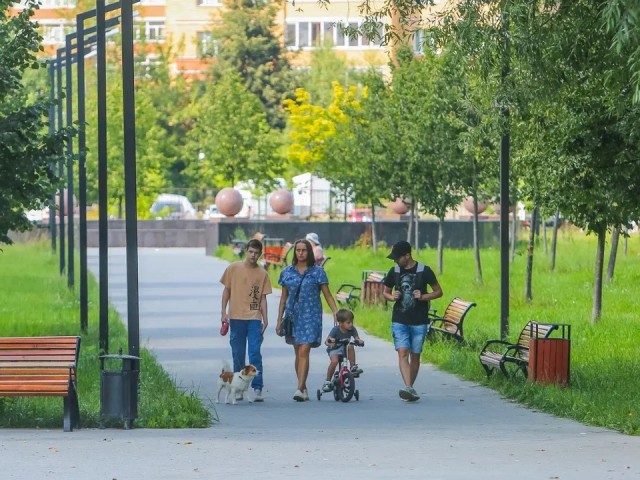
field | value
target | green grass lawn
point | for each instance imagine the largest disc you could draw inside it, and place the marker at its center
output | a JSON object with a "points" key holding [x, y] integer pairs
{"points": [[605, 357], [34, 301]]}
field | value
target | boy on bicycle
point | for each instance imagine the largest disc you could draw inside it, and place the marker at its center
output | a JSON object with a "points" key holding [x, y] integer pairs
{"points": [[344, 330]]}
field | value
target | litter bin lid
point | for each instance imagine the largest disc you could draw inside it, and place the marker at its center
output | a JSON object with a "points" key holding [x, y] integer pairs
{"points": [[120, 357]]}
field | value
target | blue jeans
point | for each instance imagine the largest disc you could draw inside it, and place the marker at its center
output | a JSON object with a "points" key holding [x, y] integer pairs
{"points": [[243, 333], [409, 336]]}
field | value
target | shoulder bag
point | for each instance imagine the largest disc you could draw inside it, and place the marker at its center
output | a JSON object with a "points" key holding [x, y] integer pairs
{"points": [[286, 327]]}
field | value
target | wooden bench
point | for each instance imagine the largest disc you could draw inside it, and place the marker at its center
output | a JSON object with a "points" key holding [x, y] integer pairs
{"points": [[348, 294], [370, 292], [42, 367], [511, 358], [451, 322], [373, 287]]}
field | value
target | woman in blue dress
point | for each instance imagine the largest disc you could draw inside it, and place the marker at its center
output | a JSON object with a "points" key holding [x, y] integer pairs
{"points": [[302, 282]]}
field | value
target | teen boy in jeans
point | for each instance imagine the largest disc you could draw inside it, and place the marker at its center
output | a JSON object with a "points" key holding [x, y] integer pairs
{"points": [[246, 286], [406, 285]]}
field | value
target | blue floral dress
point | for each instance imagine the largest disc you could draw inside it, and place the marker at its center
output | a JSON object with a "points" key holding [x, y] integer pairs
{"points": [[307, 310]]}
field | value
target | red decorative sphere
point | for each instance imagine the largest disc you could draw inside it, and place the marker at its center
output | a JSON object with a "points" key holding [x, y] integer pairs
{"points": [[497, 208], [399, 206], [468, 205], [281, 201], [229, 201]]}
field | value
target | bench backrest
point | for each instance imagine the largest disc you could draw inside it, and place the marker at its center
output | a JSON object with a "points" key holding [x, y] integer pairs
{"points": [[534, 330], [39, 352], [455, 312]]}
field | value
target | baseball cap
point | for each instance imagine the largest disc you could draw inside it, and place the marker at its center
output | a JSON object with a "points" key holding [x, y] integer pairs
{"points": [[313, 237], [399, 249]]}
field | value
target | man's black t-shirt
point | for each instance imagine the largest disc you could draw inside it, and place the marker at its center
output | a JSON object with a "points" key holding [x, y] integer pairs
{"points": [[407, 309]]}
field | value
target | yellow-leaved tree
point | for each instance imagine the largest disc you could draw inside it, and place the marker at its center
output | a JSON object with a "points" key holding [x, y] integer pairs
{"points": [[311, 126]]}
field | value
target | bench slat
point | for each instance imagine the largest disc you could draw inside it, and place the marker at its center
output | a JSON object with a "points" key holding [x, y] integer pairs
{"points": [[42, 367]]}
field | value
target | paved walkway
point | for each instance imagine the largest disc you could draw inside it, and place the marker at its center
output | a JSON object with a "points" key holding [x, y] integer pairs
{"points": [[458, 430]]}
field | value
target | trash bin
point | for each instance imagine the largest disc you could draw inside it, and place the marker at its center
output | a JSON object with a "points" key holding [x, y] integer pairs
{"points": [[119, 388], [549, 358], [373, 287]]}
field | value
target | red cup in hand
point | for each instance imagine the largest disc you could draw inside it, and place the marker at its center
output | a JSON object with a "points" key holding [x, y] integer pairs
{"points": [[224, 328]]}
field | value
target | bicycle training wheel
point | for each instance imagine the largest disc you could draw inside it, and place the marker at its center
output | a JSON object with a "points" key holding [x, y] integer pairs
{"points": [[348, 387]]}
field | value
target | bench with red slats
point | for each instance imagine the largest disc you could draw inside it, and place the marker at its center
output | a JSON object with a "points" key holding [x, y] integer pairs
{"points": [[42, 367]]}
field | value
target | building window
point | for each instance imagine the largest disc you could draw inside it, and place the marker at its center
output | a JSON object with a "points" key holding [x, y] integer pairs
{"points": [[58, 3], [309, 34], [290, 35], [150, 30], [207, 46], [54, 34]]}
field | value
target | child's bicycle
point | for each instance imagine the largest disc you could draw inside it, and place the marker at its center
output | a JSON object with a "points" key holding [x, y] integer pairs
{"points": [[343, 384]]}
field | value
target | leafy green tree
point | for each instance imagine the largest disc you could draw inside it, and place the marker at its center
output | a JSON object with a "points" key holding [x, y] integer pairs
{"points": [[154, 149], [231, 131], [356, 156], [27, 152], [326, 67], [248, 45]]}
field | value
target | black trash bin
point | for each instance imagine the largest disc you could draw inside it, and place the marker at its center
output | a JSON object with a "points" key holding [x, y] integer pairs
{"points": [[119, 388]]}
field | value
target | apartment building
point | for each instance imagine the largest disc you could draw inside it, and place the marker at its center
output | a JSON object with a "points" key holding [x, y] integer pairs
{"points": [[186, 24]]}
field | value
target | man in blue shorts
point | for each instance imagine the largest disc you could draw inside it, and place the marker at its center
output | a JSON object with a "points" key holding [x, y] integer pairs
{"points": [[406, 285]]}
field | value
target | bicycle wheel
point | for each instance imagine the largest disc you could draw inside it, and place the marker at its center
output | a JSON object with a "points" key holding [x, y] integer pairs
{"points": [[348, 387]]}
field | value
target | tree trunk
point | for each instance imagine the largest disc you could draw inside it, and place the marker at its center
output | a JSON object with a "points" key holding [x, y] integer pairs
{"points": [[513, 236], [554, 240], [615, 238], [416, 231], [624, 241], [410, 229], [120, 207], [476, 242], [374, 235], [544, 236], [597, 284], [440, 245], [528, 291]]}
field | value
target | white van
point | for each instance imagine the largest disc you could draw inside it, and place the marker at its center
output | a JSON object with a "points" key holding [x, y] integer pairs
{"points": [[173, 207]]}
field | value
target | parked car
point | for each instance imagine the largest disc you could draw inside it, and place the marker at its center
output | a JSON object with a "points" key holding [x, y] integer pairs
{"points": [[360, 215], [171, 206], [212, 212]]}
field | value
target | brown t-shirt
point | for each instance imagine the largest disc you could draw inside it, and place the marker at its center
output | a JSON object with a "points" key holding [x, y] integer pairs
{"points": [[247, 285]]}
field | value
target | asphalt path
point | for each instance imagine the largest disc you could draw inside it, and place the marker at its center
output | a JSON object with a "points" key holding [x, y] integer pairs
{"points": [[458, 430]]}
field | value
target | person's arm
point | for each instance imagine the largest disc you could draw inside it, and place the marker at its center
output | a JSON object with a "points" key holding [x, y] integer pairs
{"points": [[226, 295], [324, 288], [390, 295], [329, 341], [263, 311], [436, 292], [283, 302]]}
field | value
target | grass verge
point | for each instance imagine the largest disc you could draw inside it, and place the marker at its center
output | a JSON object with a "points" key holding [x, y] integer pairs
{"points": [[604, 356], [35, 301]]}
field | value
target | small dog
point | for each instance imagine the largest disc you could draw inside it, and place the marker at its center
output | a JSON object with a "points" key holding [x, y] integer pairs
{"points": [[235, 382]]}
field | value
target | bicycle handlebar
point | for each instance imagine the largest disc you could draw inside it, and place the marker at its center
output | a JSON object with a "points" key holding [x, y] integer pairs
{"points": [[345, 341]]}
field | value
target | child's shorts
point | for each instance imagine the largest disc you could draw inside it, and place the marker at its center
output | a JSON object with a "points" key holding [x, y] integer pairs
{"points": [[342, 350]]}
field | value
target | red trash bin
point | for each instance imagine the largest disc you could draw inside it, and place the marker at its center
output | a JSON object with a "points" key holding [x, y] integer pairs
{"points": [[550, 358]]}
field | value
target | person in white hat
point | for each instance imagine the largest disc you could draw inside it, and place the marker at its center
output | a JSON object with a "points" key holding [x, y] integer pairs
{"points": [[317, 248]]}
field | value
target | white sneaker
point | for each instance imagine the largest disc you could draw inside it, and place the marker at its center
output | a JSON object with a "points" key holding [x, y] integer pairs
{"points": [[239, 396], [257, 395], [298, 396], [305, 394], [327, 386]]}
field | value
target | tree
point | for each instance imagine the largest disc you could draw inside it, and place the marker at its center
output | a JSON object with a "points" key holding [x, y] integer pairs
{"points": [[27, 152], [230, 129], [248, 46]]}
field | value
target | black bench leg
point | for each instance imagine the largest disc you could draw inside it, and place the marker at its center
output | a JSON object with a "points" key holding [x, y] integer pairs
{"points": [[487, 369], [75, 409], [67, 424]]}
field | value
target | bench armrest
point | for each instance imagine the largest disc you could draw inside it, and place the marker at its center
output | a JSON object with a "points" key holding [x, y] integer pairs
{"points": [[348, 288]]}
